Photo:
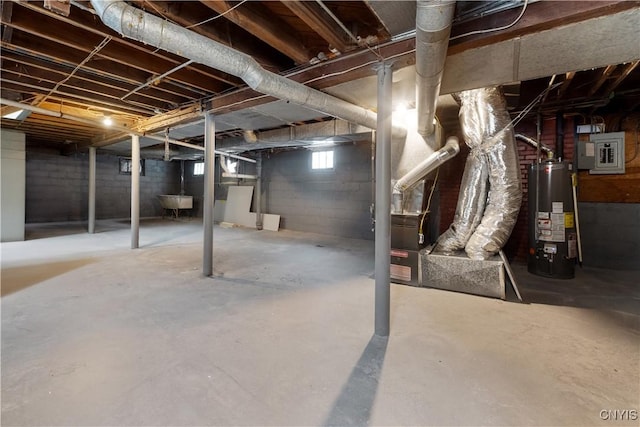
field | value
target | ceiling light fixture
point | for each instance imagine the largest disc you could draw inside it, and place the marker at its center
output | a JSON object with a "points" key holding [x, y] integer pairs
{"points": [[17, 115], [107, 121]]}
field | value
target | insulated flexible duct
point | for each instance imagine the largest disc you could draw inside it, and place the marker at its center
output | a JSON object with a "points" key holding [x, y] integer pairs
{"points": [[483, 225], [471, 203]]}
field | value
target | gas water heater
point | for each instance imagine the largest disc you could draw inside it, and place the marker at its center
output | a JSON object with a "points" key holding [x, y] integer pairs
{"points": [[552, 230]]}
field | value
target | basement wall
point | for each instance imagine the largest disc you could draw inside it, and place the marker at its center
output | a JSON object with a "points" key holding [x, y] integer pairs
{"points": [[335, 201], [57, 187], [12, 182], [194, 185], [332, 201]]}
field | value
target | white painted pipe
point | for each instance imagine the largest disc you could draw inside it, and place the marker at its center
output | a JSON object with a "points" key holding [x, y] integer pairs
{"points": [[238, 175]]}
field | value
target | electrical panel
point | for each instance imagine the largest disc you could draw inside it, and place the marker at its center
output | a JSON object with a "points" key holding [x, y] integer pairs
{"points": [[602, 154]]}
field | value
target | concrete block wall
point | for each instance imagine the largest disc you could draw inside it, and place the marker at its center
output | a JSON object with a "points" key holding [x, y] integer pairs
{"points": [[194, 185], [12, 183], [335, 201], [57, 187]]}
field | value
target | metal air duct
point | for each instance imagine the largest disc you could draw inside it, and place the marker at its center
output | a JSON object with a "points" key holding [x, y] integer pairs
{"points": [[144, 27], [433, 27], [429, 164]]}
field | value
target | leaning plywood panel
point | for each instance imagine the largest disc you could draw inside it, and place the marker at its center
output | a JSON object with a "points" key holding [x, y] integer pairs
{"points": [[271, 222], [238, 204]]}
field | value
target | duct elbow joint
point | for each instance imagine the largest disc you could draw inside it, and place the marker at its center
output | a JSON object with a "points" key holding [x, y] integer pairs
{"points": [[397, 200], [451, 148]]}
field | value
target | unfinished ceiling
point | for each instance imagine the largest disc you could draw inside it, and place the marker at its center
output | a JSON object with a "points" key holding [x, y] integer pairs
{"points": [[73, 64]]}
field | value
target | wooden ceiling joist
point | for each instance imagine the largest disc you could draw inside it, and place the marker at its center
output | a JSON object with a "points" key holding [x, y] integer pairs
{"points": [[91, 24], [603, 78], [188, 15], [313, 15], [83, 42], [272, 30], [568, 78], [627, 69]]}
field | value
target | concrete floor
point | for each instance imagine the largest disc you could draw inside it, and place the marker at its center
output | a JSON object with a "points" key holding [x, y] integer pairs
{"points": [[94, 333]]}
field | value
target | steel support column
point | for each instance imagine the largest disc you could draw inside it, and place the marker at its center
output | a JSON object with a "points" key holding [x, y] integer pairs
{"points": [[383, 201], [92, 190], [259, 192], [135, 191], [209, 196]]}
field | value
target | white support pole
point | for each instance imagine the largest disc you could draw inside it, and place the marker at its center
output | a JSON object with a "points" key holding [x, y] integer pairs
{"points": [[92, 190], [383, 202], [209, 196], [135, 191]]}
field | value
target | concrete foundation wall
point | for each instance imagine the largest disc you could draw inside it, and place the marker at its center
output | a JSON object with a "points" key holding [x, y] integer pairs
{"points": [[335, 201], [610, 235], [12, 168], [57, 187]]}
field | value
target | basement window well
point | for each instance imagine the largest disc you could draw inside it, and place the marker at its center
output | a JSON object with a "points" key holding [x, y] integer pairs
{"points": [[322, 160], [198, 168]]}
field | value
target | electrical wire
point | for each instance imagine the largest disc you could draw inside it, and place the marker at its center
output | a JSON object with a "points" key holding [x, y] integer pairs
{"points": [[95, 50], [428, 209], [159, 12], [490, 30], [217, 16]]}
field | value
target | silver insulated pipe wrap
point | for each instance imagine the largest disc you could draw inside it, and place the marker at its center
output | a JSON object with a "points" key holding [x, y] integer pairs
{"points": [[433, 27], [144, 27], [491, 191]]}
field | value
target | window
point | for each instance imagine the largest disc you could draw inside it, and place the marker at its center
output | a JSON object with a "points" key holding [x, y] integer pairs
{"points": [[126, 166], [322, 160], [198, 168]]}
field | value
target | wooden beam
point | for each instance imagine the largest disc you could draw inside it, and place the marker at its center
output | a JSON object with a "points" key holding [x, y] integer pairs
{"points": [[88, 22], [84, 78], [185, 13], [54, 56], [6, 11], [272, 30], [623, 75], [23, 85], [42, 80], [317, 19], [83, 86], [568, 78], [539, 16], [603, 78], [47, 27]]}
